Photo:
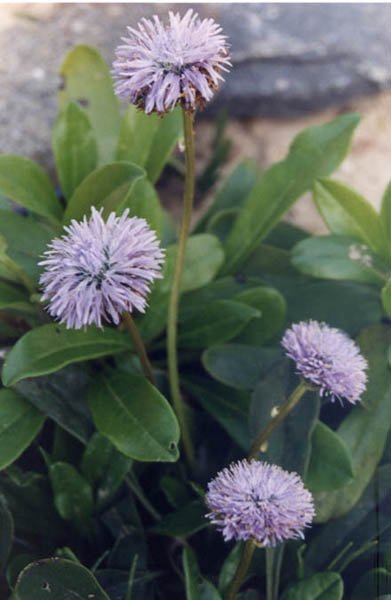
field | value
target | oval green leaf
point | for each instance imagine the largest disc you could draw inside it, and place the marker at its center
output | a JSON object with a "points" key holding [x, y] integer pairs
{"points": [[315, 153], [26, 183], [330, 462], [72, 495], [347, 213], [215, 323], [27, 239], [338, 257], [321, 586], [86, 80], [365, 429], [104, 468], [167, 135], [107, 187], [272, 307], [238, 365], [57, 579], [135, 417], [14, 298], [20, 423], [48, 348], [74, 148]]}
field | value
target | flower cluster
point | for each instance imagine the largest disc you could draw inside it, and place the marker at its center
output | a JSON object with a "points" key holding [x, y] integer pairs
{"points": [[327, 358], [160, 67], [100, 269], [258, 501]]}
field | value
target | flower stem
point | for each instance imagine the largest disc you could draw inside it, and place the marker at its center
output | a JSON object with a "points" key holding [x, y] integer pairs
{"points": [[283, 411], [242, 569], [172, 321], [139, 345], [269, 574]]}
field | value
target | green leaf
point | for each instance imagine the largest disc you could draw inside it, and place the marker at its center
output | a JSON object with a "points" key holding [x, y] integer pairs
{"points": [[104, 468], [183, 522], [136, 136], [229, 567], [58, 579], [26, 183], [167, 135], [316, 152], [20, 423], [272, 307], [74, 148], [72, 495], [86, 81], [208, 591], [61, 396], [30, 501], [329, 301], [26, 238], [135, 417], [232, 193], [107, 187], [330, 463], [143, 201], [148, 140], [14, 298], [10, 270], [386, 298], [372, 584], [227, 406], [48, 348], [238, 365], [7, 532], [290, 444], [337, 257], [214, 323], [192, 574], [365, 522], [321, 586], [365, 429], [385, 211], [221, 223], [347, 213], [204, 256]]}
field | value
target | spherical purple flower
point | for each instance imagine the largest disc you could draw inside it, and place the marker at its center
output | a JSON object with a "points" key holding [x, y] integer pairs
{"points": [[258, 501], [100, 269], [327, 358], [159, 67]]}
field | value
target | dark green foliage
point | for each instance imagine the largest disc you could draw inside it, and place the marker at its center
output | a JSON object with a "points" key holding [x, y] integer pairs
{"points": [[96, 501]]}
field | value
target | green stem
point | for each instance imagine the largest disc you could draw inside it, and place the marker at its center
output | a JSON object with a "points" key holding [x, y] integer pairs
{"points": [[19, 273], [132, 573], [283, 411], [269, 555], [134, 486], [139, 345], [278, 554], [242, 569], [172, 320]]}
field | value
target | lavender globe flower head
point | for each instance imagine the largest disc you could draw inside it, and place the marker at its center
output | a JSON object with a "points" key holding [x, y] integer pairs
{"points": [[327, 358], [159, 67], [99, 269], [258, 501]]}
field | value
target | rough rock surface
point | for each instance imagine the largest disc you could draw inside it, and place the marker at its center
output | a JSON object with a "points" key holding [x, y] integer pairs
{"points": [[289, 60]]}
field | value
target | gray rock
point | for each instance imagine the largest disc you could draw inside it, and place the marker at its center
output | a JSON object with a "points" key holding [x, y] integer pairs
{"points": [[294, 58], [288, 58]]}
